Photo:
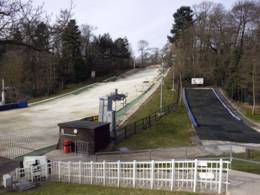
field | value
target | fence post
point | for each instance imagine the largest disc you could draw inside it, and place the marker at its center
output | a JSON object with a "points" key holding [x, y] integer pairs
{"points": [[152, 173], [46, 171], [149, 121], [104, 173], [69, 171], [91, 172], [134, 173], [195, 175], [80, 181], [118, 173], [31, 173], [231, 153], [173, 174], [125, 132], [220, 175], [59, 171]]}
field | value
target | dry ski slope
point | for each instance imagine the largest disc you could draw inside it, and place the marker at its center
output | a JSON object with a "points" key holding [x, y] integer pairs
{"points": [[39, 122], [217, 122]]}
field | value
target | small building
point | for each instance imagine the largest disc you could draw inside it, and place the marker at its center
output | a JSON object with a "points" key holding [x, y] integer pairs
{"points": [[85, 136]]}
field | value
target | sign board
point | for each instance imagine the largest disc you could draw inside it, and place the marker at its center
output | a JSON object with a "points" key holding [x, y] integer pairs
{"points": [[197, 81], [202, 163], [206, 175], [93, 74]]}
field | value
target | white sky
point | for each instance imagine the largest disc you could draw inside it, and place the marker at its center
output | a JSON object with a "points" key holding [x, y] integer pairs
{"points": [[150, 20]]}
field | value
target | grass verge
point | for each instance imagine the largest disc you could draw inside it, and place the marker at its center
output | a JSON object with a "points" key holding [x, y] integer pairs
{"points": [[172, 130], [247, 111], [246, 166], [77, 189]]}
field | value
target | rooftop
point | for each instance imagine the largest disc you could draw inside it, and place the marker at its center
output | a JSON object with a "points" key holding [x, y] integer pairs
{"points": [[83, 124]]}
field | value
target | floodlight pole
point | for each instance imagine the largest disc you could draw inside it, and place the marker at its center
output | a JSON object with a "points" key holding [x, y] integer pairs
{"points": [[161, 97], [3, 92], [173, 86]]}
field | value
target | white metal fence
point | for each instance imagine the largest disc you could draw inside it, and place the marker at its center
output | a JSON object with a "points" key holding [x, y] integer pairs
{"points": [[185, 175]]}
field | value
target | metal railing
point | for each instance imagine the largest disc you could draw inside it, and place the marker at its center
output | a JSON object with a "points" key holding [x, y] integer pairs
{"points": [[239, 152], [210, 176], [144, 123]]}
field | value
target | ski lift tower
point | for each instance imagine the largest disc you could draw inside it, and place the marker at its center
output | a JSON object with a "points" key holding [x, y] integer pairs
{"points": [[107, 113]]}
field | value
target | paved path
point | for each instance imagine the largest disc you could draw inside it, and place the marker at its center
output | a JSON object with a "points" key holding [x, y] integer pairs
{"points": [[242, 183]]}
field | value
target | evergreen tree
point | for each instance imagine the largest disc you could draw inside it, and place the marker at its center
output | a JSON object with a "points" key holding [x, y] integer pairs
{"points": [[182, 20], [72, 67]]}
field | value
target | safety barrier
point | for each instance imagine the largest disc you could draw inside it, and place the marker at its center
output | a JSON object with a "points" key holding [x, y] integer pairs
{"points": [[225, 106], [209, 176], [20, 104], [189, 110]]}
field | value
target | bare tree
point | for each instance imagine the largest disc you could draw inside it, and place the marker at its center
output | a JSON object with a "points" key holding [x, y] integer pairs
{"points": [[142, 47]]}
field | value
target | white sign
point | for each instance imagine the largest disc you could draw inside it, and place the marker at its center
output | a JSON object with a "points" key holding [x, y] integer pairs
{"points": [[197, 81], [205, 175], [93, 74]]}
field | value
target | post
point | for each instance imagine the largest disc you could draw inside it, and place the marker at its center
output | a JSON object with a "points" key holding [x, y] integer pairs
{"points": [[3, 92], [195, 175], [161, 94], [134, 173], [91, 172], [31, 173], [80, 178], [173, 87], [104, 173], [135, 127], [231, 153], [152, 173], [173, 174], [118, 173], [59, 171], [125, 132], [69, 171], [220, 175], [46, 171]]}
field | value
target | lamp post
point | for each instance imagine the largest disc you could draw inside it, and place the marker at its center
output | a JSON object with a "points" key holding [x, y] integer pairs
{"points": [[3, 92], [162, 79]]}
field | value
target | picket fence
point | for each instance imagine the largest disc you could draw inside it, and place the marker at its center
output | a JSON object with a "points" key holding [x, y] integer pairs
{"points": [[209, 176]]}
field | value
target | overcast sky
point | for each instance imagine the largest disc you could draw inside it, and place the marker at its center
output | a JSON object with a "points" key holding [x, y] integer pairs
{"points": [[136, 19]]}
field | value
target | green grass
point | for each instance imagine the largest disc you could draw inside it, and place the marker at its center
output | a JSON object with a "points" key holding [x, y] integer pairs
{"points": [[170, 131], [248, 114], [247, 111], [246, 166], [153, 103], [76, 189]]}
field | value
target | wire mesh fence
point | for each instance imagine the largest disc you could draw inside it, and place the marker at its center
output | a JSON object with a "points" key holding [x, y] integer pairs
{"points": [[210, 176], [13, 146]]}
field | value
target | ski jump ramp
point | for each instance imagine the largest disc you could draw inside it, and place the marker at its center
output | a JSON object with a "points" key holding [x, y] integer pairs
{"points": [[215, 120]]}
